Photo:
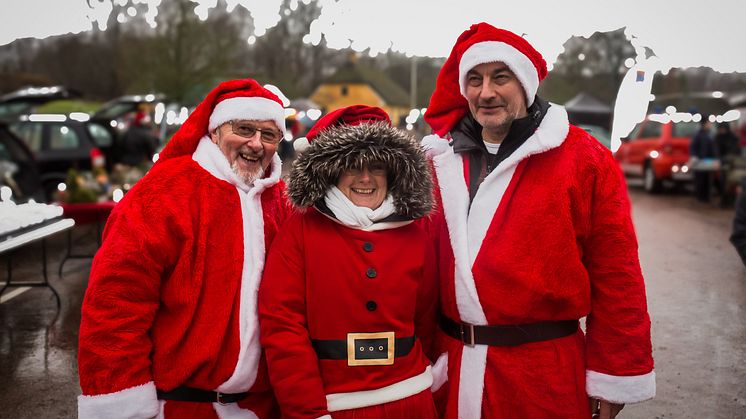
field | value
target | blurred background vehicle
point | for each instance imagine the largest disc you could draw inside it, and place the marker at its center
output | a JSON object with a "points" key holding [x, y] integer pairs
{"points": [[18, 168], [59, 144], [658, 151], [24, 101]]}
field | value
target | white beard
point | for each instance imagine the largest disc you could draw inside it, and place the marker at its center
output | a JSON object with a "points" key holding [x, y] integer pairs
{"points": [[247, 177]]}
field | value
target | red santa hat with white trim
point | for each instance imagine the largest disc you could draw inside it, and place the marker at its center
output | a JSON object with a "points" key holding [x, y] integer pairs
{"points": [[233, 99], [350, 115], [481, 43]]}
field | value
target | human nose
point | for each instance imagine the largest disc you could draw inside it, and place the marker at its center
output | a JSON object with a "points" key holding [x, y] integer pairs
{"points": [[365, 175], [255, 141], [485, 90]]}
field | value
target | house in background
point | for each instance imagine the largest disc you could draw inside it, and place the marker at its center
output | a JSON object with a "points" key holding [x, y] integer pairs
{"points": [[355, 84]]}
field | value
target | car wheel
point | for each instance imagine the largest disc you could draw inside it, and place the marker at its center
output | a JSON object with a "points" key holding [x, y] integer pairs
{"points": [[650, 182]]}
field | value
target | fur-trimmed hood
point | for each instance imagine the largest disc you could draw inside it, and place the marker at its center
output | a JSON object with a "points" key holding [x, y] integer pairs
{"points": [[344, 147]]}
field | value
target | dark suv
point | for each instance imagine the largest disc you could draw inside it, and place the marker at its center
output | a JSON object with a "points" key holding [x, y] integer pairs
{"points": [[60, 144]]}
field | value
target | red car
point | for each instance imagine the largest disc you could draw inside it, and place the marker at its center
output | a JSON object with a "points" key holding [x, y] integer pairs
{"points": [[657, 151]]}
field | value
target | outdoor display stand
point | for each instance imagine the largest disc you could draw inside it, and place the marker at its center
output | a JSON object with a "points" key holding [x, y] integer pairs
{"points": [[18, 238]]}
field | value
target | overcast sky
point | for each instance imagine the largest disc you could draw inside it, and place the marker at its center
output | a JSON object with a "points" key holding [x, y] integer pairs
{"points": [[683, 33]]}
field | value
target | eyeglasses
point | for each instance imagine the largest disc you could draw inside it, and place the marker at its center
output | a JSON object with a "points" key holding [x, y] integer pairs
{"points": [[246, 130]]}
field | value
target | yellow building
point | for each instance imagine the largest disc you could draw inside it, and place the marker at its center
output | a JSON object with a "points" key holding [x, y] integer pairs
{"points": [[355, 84]]}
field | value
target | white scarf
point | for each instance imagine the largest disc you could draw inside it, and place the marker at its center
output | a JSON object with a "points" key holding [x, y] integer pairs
{"points": [[353, 216]]}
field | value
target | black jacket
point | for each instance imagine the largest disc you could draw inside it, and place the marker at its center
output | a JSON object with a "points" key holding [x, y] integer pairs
{"points": [[467, 138]]}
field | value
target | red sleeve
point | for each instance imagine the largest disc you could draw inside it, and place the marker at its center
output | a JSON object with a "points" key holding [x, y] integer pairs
{"points": [[119, 308], [619, 351], [291, 360]]}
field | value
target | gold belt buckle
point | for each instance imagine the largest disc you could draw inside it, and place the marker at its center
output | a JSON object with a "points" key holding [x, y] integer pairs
{"points": [[362, 345]]}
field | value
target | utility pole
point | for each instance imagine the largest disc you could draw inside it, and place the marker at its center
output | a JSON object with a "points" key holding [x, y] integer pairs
{"points": [[413, 83]]}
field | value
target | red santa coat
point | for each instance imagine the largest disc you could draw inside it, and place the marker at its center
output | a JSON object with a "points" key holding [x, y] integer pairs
{"points": [[171, 299], [548, 237], [318, 284]]}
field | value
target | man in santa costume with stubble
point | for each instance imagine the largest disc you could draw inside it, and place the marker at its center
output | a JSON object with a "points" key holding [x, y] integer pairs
{"points": [[169, 325], [533, 233]]}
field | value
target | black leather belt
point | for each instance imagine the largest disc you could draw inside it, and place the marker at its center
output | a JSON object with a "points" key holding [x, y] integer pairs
{"points": [[509, 335], [188, 394], [365, 348]]}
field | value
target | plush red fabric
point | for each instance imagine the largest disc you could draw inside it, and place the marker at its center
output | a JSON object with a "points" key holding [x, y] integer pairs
{"points": [[315, 287]]}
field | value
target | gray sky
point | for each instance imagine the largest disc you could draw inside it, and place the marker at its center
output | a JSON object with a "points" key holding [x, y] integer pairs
{"points": [[683, 33]]}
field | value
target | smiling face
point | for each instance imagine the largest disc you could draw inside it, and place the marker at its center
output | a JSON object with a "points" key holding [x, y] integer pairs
{"points": [[496, 98], [248, 157], [366, 187]]}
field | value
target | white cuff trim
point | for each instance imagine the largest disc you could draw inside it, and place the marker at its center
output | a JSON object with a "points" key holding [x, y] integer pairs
{"points": [[620, 389], [397, 391], [130, 403], [440, 372]]}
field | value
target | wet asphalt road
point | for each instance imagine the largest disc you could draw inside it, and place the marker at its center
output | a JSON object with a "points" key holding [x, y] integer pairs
{"points": [[696, 295]]}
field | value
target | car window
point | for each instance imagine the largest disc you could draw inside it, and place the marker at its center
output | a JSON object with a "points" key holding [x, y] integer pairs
{"points": [[30, 133], [61, 137], [651, 130], [685, 129], [10, 150], [101, 136]]}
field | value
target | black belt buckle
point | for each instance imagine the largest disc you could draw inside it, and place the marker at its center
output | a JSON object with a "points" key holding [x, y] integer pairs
{"points": [[218, 399], [463, 328], [370, 349]]}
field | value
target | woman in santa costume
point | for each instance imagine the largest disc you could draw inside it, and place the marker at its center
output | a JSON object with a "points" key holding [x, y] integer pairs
{"points": [[533, 231], [348, 302], [169, 325]]}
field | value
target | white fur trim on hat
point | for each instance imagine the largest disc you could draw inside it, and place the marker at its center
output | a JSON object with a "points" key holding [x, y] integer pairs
{"points": [[252, 108], [492, 51]]}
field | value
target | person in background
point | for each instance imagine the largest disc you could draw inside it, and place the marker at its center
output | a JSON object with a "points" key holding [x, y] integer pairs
{"points": [[138, 144], [168, 324], [348, 302], [728, 150], [738, 238], [703, 151], [533, 231]]}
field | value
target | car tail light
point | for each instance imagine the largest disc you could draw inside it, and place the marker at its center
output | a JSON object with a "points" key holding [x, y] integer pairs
{"points": [[97, 158]]}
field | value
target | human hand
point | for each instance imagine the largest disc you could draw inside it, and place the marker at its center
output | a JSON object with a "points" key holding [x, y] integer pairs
{"points": [[601, 409]]}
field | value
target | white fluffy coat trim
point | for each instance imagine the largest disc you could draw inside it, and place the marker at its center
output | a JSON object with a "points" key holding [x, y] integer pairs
{"points": [[467, 229], [131, 403], [493, 51], [248, 108], [397, 391], [620, 389], [209, 156]]}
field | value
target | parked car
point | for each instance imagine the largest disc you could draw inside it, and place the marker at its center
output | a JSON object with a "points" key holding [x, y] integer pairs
{"points": [[18, 168], [658, 152], [24, 101], [61, 144]]}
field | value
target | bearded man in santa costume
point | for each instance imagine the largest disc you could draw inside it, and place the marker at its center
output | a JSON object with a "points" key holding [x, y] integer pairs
{"points": [[169, 325], [533, 233]]}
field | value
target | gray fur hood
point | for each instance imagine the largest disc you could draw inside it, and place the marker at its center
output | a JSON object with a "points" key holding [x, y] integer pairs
{"points": [[343, 147]]}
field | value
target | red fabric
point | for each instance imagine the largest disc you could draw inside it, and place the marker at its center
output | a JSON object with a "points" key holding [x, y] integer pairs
{"points": [[351, 115], [315, 287], [563, 246], [447, 105], [185, 141], [162, 304], [88, 213], [419, 406]]}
